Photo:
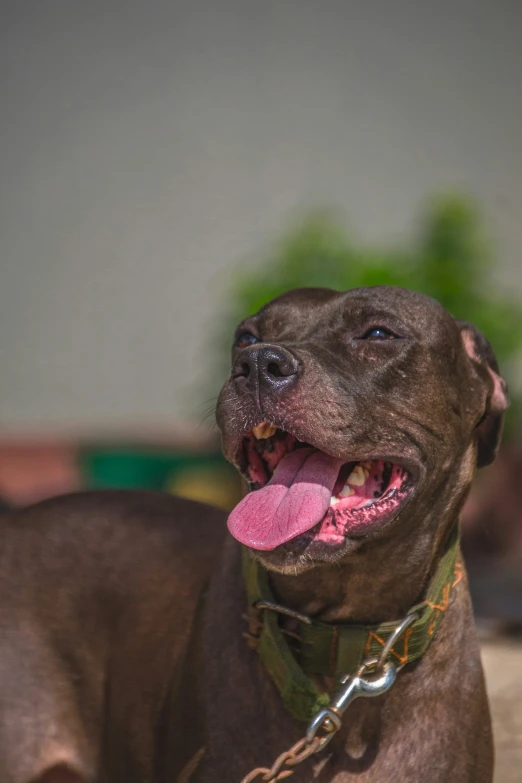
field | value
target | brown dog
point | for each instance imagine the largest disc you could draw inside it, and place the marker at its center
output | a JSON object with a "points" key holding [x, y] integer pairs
{"points": [[358, 420]]}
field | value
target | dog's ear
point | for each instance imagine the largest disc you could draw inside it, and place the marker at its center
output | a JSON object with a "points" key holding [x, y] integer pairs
{"points": [[485, 366]]}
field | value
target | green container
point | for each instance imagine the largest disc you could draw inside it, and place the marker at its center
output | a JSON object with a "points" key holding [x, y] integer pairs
{"points": [[135, 468]]}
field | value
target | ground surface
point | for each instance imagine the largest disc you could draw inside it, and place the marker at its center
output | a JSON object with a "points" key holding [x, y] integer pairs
{"points": [[503, 667]]}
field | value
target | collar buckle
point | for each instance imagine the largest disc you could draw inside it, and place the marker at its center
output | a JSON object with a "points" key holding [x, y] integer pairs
{"points": [[284, 610], [254, 618]]}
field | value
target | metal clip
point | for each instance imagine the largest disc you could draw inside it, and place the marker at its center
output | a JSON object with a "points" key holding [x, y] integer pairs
{"points": [[329, 718]]}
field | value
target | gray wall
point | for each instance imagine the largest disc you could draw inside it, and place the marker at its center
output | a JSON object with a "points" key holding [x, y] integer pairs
{"points": [[147, 145]]}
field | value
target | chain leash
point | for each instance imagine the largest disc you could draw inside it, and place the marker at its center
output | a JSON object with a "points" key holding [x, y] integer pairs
{"points": [[374, 677]]}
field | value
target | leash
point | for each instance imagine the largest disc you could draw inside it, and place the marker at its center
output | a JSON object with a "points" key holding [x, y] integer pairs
{"points": [[328, 721], [364, 660]]}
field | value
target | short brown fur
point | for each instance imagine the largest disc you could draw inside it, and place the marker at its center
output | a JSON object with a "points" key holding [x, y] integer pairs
{"points": [[99, 591]]}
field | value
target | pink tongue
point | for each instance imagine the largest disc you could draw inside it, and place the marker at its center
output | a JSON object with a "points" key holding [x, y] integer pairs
{"points": [[295, 499]]}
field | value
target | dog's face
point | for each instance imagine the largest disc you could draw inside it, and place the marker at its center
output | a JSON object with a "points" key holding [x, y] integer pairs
{"points": [[350, 414]]}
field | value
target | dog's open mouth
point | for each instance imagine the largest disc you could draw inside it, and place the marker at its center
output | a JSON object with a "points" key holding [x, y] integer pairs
{"points": [[300, 491]]}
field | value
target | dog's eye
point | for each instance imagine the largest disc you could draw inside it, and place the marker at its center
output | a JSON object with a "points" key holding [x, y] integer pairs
{"points": [[245, 339], [379, 333]]}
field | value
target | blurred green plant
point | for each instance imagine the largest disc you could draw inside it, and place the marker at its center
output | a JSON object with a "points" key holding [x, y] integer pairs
{"points": [[450, 260]]}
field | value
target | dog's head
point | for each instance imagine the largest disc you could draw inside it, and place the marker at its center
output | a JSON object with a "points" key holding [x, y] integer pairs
{"points": [[351, 413]]}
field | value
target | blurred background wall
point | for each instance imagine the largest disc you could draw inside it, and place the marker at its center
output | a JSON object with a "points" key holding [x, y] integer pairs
{"points": [[146, 146]]}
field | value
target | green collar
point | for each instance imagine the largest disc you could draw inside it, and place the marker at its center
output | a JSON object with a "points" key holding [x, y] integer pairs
{"points": [[337, 650]]}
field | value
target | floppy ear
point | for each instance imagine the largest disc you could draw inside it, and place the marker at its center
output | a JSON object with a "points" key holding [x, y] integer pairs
{"points": [[489, 427]]}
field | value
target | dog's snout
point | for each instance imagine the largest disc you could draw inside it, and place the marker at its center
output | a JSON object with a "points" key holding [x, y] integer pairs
{"points": [[272, 367]]}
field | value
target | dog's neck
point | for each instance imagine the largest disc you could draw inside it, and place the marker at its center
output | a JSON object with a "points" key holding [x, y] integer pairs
{"points": [[379, 581]]}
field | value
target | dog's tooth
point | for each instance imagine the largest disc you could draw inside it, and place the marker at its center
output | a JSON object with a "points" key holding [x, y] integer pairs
{"points": [[264, 430], [366, 465], [334, 501], [357, 477], [346, 491]]}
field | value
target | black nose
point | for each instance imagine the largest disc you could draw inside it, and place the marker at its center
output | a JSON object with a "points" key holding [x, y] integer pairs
{"points": [[272, 367]]}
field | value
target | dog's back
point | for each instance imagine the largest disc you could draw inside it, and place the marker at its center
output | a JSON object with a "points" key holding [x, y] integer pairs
{"points": [[97, 595]]}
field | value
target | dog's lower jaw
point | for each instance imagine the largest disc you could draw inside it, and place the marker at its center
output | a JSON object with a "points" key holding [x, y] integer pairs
{"points": [[306, 552], [361, 587]]}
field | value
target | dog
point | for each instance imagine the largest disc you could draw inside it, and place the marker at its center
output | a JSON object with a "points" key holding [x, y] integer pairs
{"points": [[358, 420]]}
